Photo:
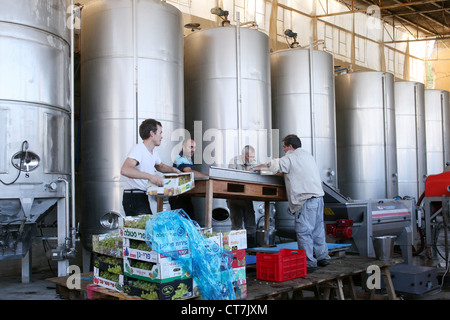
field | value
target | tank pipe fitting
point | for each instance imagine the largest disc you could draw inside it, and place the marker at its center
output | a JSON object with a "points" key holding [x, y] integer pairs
{"points": [[69, 236], [249, 23]]}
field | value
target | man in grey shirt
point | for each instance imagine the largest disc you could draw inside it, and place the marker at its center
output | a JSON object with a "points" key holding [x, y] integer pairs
{"points": [[305, 196]]}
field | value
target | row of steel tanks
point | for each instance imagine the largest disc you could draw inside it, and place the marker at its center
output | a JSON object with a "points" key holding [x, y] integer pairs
{"points": [[224, 88]]}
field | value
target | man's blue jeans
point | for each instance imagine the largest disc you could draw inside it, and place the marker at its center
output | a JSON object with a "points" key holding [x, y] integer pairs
{"points": [[310, 230]]}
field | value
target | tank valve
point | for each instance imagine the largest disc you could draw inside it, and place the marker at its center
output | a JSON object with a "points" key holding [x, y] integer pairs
{"points": [[289, 33]]}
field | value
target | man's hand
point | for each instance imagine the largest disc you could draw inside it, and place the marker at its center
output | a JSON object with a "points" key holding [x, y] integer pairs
{"points": [[156, 180]]}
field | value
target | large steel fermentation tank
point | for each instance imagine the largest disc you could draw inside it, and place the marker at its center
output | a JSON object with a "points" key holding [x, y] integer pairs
{"points": [[303, 103], [35, 138], [131, 70], [437, 123], [227, 97], [366, 136], [410, 134]]}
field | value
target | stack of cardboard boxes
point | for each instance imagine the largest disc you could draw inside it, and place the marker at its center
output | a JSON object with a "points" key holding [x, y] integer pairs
{"points": [[148, 274], [235, 244], [108, 262], [170, 279]]}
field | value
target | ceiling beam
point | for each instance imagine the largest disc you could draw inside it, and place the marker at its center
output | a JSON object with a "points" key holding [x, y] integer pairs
{"points": [[398, 5]]}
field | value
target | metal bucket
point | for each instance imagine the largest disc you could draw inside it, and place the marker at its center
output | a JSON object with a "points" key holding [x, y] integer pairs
{"points": [[384, 247], [263, 238]]}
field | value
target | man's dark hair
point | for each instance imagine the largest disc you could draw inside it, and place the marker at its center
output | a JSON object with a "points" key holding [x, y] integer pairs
{"points": [[147, 126], [292, 140]]}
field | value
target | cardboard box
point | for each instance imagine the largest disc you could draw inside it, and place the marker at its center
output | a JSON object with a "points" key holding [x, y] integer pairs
{"points": [[164, 271], [174, 184], [107, 283], [134, 223], [109, 244], [148, 255], [108, 263], [234, 239], [176, 289], [164, 240], [238, 258]]}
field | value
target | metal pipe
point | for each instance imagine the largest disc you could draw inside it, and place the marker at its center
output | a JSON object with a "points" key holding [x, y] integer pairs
{"points": [[444, 149], [135, 72], [66, 196], [385, 128], [72, 125], [238, 82], [311, 97]]}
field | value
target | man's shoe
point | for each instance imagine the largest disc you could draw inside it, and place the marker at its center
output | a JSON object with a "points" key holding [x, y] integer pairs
{"points": [[310, 269], [323, 263]]}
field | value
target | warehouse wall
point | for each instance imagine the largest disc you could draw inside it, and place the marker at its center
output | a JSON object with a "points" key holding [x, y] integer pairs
{"points": [[438, 67]]}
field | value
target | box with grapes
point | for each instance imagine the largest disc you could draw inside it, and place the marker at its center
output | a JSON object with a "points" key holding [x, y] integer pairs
{"points": [[109, 244], [108, 279], [174, 184], [176, 289], [173, 239], [165, 271]]}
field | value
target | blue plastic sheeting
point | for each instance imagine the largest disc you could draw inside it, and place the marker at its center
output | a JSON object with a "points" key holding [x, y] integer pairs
{"points": [[174, 234]]}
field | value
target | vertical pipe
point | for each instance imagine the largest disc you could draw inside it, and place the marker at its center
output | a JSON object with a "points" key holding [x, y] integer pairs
{"points": [[385, 126], [238, 82], [311, 98], [444, 149], [135, 72], [72, 123], [418, 146]]}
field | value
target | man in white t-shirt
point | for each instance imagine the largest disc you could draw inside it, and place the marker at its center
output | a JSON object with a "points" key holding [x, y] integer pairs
{"points": [[140, 166]]}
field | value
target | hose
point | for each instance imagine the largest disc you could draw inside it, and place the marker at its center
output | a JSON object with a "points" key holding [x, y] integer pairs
{"points": [[422, 238], [22, 158]]}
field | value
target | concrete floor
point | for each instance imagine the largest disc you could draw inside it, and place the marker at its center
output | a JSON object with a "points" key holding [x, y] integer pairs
{"points": [[12, 288]]}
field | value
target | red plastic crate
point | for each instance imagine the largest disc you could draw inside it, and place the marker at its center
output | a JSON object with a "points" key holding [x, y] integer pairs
{"points": [[285, 265]]}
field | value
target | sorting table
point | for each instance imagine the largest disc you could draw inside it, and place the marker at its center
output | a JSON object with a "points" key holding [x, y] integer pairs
{"points": [[224, 183]]}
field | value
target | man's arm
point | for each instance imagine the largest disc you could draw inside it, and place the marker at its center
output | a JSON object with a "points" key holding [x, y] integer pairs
{"points": [[197, 174], [272, 166], [261, 167], [129, 170], [166, 169]]}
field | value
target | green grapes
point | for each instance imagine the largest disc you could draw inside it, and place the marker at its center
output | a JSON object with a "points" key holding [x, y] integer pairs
{"points": [[150, 295], [109, 276], [137, 222], [180, 291], [142, 264], [139, 245]]}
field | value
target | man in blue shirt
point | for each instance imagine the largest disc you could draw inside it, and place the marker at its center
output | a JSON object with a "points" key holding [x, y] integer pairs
{"points": [[184, 162]]}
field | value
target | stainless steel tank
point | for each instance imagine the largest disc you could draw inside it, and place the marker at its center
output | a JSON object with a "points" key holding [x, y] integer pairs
{"points": [[227, 95], [410, 134], [131, 70], [303, 103], [34, 118], [366, 139], [437, 123]]}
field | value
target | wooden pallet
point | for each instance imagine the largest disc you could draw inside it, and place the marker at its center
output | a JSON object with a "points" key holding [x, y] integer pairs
{"points": [[324, 280], [87, 290]]}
